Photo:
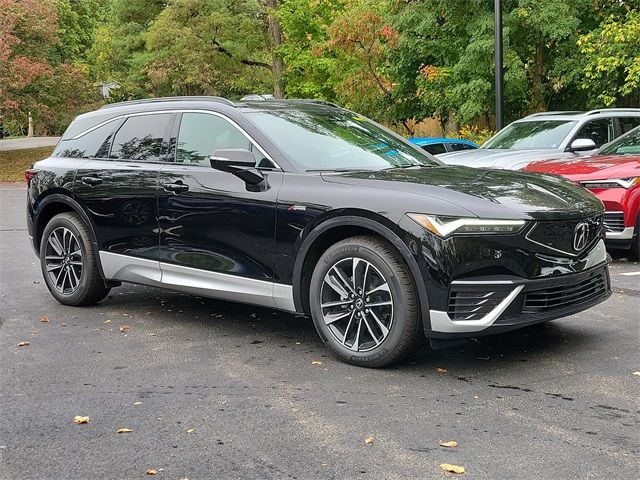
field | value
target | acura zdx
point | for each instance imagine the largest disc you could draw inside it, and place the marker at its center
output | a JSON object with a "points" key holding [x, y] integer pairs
{"points": [[301, 206]]}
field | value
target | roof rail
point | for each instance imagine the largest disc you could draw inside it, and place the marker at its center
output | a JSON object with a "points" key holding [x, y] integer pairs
{"points": [[557, 112], [271, 98], [168, 99], [605, 110]]}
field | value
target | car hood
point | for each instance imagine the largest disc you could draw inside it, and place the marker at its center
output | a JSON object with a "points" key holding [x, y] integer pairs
{"points": [[498, 158], [591, 168], [484, 192]]}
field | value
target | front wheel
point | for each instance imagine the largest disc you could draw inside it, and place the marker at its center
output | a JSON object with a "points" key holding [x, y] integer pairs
{"points": [[69, 262], [635, 246], [363, 302]]}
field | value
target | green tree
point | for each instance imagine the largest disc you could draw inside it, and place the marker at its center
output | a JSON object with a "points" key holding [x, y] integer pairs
{"points": [[612, 59]]}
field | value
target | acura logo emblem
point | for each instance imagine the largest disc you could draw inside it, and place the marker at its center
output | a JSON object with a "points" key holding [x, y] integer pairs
{"points": [[580, 235]]}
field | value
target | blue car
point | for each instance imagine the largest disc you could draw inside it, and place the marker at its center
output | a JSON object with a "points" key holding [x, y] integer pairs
{"points": [[438, 145]]}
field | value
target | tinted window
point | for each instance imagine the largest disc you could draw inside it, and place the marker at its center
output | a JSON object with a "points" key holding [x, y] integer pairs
{"points": [[628, 123], [200, 134], [434, 148], [531, 134], [600, 131], [94, 144], [624, 145], [335, 139], [140, 138], [456, 147]]}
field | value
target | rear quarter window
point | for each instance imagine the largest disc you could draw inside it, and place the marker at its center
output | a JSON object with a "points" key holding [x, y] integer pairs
{"points": [[434, 148], [93, 144]]}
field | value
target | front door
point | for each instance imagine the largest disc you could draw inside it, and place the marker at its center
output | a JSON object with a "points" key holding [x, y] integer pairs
{"points": [[216, 233]]}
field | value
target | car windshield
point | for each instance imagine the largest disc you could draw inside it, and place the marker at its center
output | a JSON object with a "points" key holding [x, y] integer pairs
{"points": [[627, 144], [535, 134], [337, 139]]}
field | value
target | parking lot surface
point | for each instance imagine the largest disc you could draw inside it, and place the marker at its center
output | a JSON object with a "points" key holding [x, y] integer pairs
{"points": [[213, 389]]}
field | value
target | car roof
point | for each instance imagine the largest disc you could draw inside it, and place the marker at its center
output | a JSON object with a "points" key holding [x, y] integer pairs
{"points": [[571, 115]]}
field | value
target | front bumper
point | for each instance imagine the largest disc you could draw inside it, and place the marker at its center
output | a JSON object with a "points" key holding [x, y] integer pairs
{"points": [[522, 302]]}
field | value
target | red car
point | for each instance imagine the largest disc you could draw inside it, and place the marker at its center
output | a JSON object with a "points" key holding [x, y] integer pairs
{"points": [[613, 175]]}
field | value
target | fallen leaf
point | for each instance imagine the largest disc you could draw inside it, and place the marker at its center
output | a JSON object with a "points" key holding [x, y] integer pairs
{"points": [[152, 471], [137, 403], [125, 328], [191, 430], [36, 282], [316, 362], [449, 444], [368, 440], [44, 319], [23, 344], [452, 468], [124, 430], [636, 373], [442, 370], [79, 419], [107, 321]]}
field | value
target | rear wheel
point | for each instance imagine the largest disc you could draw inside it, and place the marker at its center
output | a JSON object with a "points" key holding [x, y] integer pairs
{"points": [[363, 302], [69, 262]]}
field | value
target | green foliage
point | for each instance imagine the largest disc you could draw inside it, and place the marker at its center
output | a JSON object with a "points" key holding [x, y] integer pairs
{"points": [[612, 52]]}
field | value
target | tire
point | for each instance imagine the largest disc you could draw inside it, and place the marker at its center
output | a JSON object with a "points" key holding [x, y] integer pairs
{"points": [[374, 330], [69, 262], [635, 246]]}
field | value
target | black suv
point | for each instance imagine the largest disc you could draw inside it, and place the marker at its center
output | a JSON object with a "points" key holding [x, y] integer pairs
{"points": [[306, 207]]}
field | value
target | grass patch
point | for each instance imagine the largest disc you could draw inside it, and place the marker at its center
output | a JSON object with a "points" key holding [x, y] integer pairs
{"points": [[13, 163]]}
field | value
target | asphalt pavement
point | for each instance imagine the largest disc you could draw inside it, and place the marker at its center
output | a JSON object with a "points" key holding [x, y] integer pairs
{"points": [[217, 390]]}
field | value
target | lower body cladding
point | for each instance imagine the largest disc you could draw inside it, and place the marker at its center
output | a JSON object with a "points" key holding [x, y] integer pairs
{"points": [[494, 304]]}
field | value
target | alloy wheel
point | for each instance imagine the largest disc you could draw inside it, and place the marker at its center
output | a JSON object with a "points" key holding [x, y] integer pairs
{"points": [[357, 304], [63, 259]]}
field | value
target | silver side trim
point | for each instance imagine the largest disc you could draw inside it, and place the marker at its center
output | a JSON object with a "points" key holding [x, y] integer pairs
{"points": [[195, 281], [441, 322], [130, 269], [626, 234]]}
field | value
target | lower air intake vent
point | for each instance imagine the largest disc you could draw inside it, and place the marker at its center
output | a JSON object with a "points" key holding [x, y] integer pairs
{"points": [[468, 302], [563, 296]]}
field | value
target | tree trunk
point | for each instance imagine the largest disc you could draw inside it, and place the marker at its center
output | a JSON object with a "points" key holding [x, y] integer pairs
{"points": [[275, 32], [537, 87]]}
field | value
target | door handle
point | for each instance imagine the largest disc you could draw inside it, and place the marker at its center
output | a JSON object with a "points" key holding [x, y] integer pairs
{"points": [[176, 187], [91, 181]]}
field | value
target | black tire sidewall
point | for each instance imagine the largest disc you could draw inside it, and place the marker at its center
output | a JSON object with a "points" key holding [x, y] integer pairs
{"points": [[69, 221], [380, 355]]}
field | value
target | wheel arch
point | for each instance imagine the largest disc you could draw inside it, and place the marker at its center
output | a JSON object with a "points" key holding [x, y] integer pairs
{"points": [[52, 205], [338, 228]]}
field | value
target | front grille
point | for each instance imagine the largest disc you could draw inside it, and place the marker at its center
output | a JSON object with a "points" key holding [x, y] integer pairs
{"points": [[473, 303], [558, 234], [562, 296], [613, 221]]}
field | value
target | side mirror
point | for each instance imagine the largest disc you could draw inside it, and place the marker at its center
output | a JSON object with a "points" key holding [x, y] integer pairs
{"points": [[582, 145], [239, 162]]}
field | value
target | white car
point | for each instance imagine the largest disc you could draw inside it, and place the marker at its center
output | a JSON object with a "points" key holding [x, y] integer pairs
{"points": [[548, 135]]}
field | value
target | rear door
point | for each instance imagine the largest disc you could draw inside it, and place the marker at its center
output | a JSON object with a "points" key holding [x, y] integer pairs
{"points": [[215, 229], [118, 189]]}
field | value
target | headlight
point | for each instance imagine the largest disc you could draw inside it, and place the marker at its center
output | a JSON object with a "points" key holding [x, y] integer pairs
{"points": [[445, 226], [612, 183]]}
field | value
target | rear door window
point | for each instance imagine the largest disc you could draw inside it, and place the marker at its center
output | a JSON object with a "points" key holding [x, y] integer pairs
{"points": [[435, 148], [140, 138], [600, 131], [456, 147]]}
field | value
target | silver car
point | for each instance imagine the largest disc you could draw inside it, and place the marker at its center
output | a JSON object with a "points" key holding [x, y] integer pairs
{"points": [[548, 135]]}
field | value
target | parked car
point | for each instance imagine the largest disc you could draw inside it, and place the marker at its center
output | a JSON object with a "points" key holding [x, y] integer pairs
{"points": [[549, 135], [438, 145], [308, 208], [613, 175]]}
